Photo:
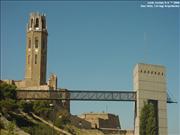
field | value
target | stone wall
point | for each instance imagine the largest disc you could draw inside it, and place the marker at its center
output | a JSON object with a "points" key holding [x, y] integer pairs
{"points": [[80, 123], [111, 122], [102, 120]]}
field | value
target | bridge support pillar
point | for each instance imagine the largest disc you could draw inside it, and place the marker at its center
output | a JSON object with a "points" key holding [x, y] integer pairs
{"points": [[150, 86]]}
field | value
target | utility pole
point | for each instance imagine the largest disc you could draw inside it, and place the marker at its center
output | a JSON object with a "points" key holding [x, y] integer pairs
{"points": [[145, 47]]}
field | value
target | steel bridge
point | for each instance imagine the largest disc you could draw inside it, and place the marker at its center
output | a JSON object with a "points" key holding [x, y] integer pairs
{"points": [[83, 95]]}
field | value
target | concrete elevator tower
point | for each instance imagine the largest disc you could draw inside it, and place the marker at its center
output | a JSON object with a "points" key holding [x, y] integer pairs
{"points": [[36, 50], [150, 86]]}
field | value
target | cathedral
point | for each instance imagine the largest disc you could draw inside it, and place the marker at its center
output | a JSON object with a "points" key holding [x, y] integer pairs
{"points": [[36, 57], [149, 81]]}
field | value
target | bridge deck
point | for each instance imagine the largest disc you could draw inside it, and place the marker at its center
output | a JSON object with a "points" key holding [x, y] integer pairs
{"points": [[79, 95], [76, 95]]}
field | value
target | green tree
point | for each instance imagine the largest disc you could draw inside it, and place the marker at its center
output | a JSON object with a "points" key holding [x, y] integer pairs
{"points": [[42, 108], [148, 120], [151, 121], [8, 105], [8, 96], [7, 91], [26, 106], [143, 119]]}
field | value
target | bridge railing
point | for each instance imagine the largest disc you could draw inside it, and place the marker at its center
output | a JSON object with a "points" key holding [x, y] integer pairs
{"points": [[76, 95]]}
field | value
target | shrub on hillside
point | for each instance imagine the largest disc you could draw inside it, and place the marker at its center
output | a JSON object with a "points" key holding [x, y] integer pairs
{"points": [[42, 108], [62, 118], [11, 128], [1, 124], [26, 106], [71, 129], [8, 96], [7, 91], [8, 105]]}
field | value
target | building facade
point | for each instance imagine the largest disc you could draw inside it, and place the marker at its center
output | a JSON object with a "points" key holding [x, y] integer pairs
{"points": [[102, 120]]}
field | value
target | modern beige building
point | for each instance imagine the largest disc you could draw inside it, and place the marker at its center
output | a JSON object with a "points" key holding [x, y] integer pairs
{"points": [[150, 86]]}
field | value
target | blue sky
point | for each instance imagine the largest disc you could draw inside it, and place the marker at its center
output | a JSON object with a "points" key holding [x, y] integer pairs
{"points": [[95, 46]]}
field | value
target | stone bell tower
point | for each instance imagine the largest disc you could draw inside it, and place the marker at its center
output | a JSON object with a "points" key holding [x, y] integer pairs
{"points": [[36, 50]]}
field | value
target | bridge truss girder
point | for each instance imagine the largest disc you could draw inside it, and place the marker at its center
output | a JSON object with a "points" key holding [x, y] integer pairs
{"points": [[76, 95]]}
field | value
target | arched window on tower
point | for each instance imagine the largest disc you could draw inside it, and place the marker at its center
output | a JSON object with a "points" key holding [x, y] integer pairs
{"points": [[36, 42], [35, 58], [29, 43], [43, 23], [42, 75], [31, 23], [37, 22], [43, 44], [29, 59]]}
